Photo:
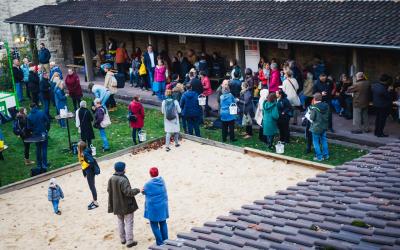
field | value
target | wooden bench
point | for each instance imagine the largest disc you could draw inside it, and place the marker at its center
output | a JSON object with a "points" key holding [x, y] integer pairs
{"points": [[75, 66]]}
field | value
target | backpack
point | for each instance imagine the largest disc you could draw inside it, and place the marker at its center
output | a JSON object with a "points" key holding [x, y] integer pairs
{"points": [[17, 128], [170, 109]]}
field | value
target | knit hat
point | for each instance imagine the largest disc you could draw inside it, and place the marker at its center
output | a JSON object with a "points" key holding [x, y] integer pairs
{"points": [[153, 172], [119, 167], [53, 182]]}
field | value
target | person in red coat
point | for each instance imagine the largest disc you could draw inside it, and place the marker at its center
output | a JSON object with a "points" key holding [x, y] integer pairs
{"points": [[74, 87], [275, 80], [136, 114]]}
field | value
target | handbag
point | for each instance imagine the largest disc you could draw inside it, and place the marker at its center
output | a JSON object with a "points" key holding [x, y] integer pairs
{"points": [[246, 121], [131, 117]]}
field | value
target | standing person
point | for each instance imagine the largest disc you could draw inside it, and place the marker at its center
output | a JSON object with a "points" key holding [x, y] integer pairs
{"points": [[44, 58], [324, 86], [33, 84], [382, 102], [361, 92], [121, 58], [25, 70], [247, 109], [122, 202], [61, 100], [110, 83], [54, 194], [345, 97], [185, 65], [18, 79], [296, 74], [176, 66], [290, 86], [160, 79], [170, 109], [99, 92], [143, 81], [150, 60], [235, 69], [319, 125], [259, 113], [191, 110], [84, 119], [156, 206], [45, 93], [275, 79], [207, 91], [21, 125], [53, 69], [90, 169], [136, 111], [74, 87], [235, 85], [99, 117], [308, 90], [264, 74], [196, 84], [39, 124], [228, 120], [285, 110], [134, 74], [270, 119], [249, 78]]}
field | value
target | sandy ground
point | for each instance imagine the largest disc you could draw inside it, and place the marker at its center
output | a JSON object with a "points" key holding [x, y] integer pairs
{"points": [[203, 182]]}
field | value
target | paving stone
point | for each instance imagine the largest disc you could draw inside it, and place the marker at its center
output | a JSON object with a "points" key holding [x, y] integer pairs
{"points": [[334, 227], [258, 244], [358, 230], [211, 238], [332, 244], [314, 234], [204, 230], [324, 211], [247, 234], [390, 232], [334, 205], [379, 240], [262, 213], [386, 195], [274, 221], [273, 237], [363, 207], [214, 224], [343, 237], [384, 215], [286, 215], [299, 240], [222, 231], [311, 217]]}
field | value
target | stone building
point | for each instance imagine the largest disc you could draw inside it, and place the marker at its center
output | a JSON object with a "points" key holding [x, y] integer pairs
{"points": [[345, 34]]}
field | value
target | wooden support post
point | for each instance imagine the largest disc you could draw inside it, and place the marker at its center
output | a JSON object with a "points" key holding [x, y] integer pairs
{"points": [[133, 38], [87, 54], [166, 43], [150, 40], [203, 45], [32, 44], [355, 67], [239, 54], [103, 39]]}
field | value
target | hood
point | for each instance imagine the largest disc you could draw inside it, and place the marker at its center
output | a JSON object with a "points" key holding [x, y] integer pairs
{"points": [[191, 94], [322, 107], [155, 187], [269, 105]]}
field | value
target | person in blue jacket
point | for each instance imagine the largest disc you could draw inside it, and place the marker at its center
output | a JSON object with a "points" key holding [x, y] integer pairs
{"points": [[156, 206], [191, 110], [228, 120], [44, 58], [61, 100], [54, 194], [39, 124], [55, 68], [99, 91]]}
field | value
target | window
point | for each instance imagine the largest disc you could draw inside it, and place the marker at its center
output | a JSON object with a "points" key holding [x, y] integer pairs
{"points": [[42, 32], [251, 45]]}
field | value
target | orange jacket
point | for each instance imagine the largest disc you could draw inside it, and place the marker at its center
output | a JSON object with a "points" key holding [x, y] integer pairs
{"points": [[121, 56]]}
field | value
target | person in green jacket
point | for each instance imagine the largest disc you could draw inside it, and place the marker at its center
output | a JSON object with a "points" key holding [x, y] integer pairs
{"points": [[319, 125], [270, 119]]}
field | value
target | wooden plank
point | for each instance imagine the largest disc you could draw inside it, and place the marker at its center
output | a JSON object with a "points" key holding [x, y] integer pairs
{"points": [[213, 143], [70, 168], [287, 159]]}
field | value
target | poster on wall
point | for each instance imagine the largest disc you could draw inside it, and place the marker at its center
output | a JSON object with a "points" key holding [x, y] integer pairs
{"points": [[252, 54]]}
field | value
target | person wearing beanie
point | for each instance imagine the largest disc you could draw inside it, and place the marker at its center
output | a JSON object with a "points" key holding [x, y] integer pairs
{"points": [[122, 202], [54, 194], [156, 206]]}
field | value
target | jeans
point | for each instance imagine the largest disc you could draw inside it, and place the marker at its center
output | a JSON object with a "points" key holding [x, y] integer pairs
{"points": [[318, 140], [193, 124], [160, 231], [62, 122], [150, 74], [41, 154], [135, 134], [269, 140], [55, 205], [134, 79], [104, 138], [76, 101], [168, 139], [18, 88], [161, 90], [228, 127], [90, 177], [125, 227], [104, 100], [184, 124]]}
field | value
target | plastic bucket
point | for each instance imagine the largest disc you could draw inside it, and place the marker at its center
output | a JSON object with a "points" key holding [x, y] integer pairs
{"points": [[63, 113], [202, 100], [233, 109], [142, 135], [280, 148], [93, 148]]}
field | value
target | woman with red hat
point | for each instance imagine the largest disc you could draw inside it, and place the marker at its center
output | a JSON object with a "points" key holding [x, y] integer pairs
{"points": [[156, 206]]}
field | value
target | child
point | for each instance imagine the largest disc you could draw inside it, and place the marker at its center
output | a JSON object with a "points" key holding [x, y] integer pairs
{"points": [[134, 74], [55, 193]]}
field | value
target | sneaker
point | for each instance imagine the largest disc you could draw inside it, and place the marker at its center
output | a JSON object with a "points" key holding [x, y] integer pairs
{"points": [[92, 206], [29, 162], [133, 243], [326, 158], [246, 136], [123, 242], [167, 149], [356, 132], [177, 145], [58, 212], [316, 159]]}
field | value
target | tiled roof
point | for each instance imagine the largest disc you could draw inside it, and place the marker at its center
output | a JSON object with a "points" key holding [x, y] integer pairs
{"points": [[319, 213], [348, 23]]}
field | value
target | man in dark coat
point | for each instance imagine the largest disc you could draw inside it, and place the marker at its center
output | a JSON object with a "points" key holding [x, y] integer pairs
{"points": [[45, 93], [84, 123], [150, 61], [191, 110], [33, 85], [18, 79], [122, 202], [44, 58], [382, 102], [235, 85], [195, 82], [39, 124], [324, 86]]}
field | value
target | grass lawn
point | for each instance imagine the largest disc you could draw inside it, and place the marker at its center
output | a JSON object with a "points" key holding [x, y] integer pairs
{"points": [[119, 136]]}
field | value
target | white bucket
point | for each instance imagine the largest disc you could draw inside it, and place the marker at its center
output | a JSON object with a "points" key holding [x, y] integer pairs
{"points": [[280, 148], [233, 109], [63, 113], [93, 148], [202, 100], [142, 135]]}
